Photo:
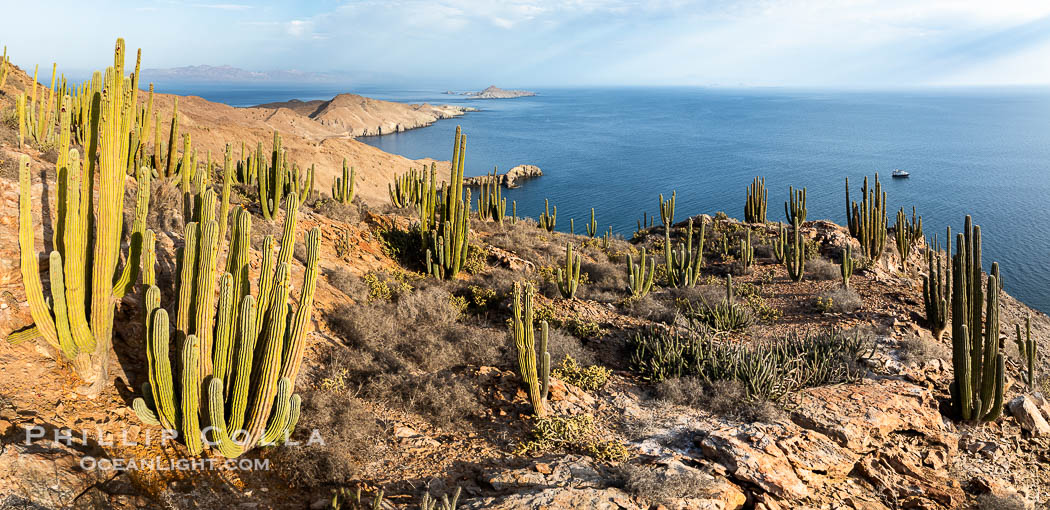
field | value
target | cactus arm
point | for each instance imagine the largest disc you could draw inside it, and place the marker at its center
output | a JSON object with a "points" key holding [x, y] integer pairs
{"points": [[29, 262], [219, 433], [191, 428], [227, 185], [293, 350], [279, 415], [268, 374], [245, 354], [131, 270]]}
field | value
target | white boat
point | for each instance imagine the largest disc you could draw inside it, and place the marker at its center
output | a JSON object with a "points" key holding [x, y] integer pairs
{"points": [[900, 174]]}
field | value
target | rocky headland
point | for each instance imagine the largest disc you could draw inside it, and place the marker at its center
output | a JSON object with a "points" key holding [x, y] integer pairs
{"points": [[511, 179], [354, 115]]}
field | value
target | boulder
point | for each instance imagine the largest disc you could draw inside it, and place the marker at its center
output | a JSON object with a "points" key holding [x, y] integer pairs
{"points": [[558, 497], [1025, 410]]}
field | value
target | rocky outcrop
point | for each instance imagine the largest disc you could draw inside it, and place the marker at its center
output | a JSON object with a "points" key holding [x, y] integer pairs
{"points": [[511, 179], [494, 92], [1031, 413]]}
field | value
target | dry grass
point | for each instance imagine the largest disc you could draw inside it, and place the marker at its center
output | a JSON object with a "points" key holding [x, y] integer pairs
{"points": [[843, 300], [722, 398], [663, 488], [822, 269]]}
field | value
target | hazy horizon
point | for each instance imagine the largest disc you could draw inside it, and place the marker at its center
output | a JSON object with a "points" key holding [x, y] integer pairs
{"points": [[469, 44]]}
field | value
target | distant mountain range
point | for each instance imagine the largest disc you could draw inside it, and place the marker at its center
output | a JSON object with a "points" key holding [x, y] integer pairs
{"points": [[226, 73]]}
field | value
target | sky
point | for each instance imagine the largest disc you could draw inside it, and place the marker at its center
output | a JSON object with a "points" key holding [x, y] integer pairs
{"points": [[470, 44]]}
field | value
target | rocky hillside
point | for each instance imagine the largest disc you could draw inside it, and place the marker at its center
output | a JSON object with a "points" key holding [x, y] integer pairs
{"points": [[354, 115], [823, 395]]}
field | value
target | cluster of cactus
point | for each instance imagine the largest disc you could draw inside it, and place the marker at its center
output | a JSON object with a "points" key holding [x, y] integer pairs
{"points": [[936, 288], [755, 207], [795, 207], [977, 391], [683, 262], [607, 238], [491, 204], [795, 252], [277, 180], [645, 222], [407, 188], [592, 226], [37, 118], [867, 220], [548, 219], [640, 275], [724, 317], [667, 210], [343, 187], [569, 274], [87, 234], [536, 376], [907, 235], [846, 265], [244, 351], [1027, 350], [450, 232], [747, 253]]}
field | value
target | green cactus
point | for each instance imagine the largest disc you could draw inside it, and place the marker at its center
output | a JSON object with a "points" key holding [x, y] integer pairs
{"points": [[513, 212], [755, 207], [867, 220], [5, 68], [569, 274], [795, 207], [404, 191], [977, 390], [907, 235], [450, 237], [548, 219], [795, 253], [780, 244], [747, 253], [426, 203], [271, 179], [491, 204], [607, 238], [243, 347], [85, 234], [343, 187], [1026, 348], [640, 276], [936, 289], [592, 226], [847, 264], [685, 262], [667, 209], [536, 378], [302, 185]]}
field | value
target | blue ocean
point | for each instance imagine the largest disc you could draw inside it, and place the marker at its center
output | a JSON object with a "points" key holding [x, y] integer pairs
{"points": [[983, 152]]}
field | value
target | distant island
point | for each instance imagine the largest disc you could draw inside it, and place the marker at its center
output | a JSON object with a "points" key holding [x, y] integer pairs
{"points": [[494, 92]]}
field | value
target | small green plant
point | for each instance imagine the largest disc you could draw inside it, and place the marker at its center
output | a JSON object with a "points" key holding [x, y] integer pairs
{"points": [[846, 266], [574, 434], [481, 297], [476, 257], [824, 304], [590, 378]]}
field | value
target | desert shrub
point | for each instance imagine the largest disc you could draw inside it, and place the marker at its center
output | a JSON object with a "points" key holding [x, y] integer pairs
{"points": [[576, 434], [561, 345], [590, 378], [342, 279], [649, 307], [991, 501], [476, 259], [917, 350], [165, 207], [382, 287], [664, 488], [441, 398], [724, 398], [839, 300], [768, 369], [404, 246], [352, 439], [821, 268], [350, 213], [499, 280]]}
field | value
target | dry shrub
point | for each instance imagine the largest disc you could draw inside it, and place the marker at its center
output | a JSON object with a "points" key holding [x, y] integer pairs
{"points": [[349, 213], [820, 268], [991, 501], [165, 207], [843, 300], [352, 438], [722, 398], [560, 345], [651, 308], [663, 488], [342, 279], [442, 398], [917, 350]]}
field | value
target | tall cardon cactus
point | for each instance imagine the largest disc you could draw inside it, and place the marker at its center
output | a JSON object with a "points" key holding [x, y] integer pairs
{"points": [[77, 317], [534, 365]]}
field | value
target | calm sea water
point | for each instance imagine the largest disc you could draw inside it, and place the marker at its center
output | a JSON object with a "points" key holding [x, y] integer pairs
{"points": [[979, 152]]}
